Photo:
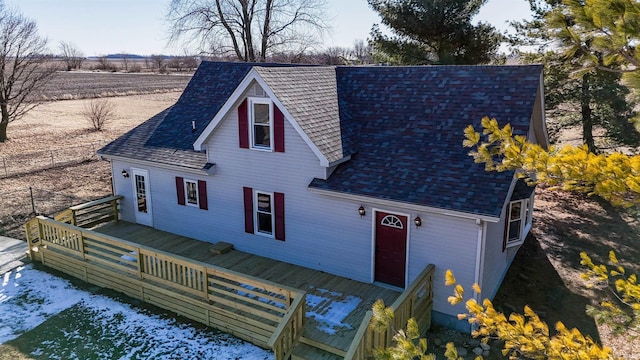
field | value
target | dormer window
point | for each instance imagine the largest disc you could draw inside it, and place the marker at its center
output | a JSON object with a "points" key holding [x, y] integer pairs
{"points": [[261, 123]]}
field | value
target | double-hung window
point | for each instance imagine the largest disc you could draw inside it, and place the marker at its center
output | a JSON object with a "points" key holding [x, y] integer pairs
{"points": [[192, 193], [191, 190], [264, 213], [261, 123], [518, 221]]}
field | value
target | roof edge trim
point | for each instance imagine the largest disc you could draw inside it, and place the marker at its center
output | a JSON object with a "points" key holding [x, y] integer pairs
{"points": [[156, 164], [392, 203]]}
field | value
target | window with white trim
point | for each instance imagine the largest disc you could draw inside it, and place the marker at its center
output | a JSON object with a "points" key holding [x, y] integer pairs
{"points": [[518, 221], [191, 192], [264, 213], [261, 123]]}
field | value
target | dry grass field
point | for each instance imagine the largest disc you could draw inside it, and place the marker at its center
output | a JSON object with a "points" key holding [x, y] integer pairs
{"points": [[54, 127], [87, 84], [544, 275]]}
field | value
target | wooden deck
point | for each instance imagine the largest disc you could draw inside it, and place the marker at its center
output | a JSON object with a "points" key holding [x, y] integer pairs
{"points": [[299, 313], [324, 291]]}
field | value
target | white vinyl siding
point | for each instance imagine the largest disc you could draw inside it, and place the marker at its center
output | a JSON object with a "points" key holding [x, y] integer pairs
{"points": [[323, 232]]}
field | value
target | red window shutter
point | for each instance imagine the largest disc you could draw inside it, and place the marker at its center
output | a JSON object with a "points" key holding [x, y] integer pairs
{"points": [[202, 195], [243, 125], [278, 129], [248, 209], [180, 190], [279, 210]]}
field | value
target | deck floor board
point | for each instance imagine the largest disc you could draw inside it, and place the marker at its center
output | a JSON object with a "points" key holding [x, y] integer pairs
{"points": [[328, 291]]}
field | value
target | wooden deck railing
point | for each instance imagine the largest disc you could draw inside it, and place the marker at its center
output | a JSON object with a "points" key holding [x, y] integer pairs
{"points": [[91, 213], [264, 313], [415, 302]]}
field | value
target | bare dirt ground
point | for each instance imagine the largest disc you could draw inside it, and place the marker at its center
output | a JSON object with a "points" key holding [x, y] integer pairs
{"points": [[59, 125], [544, 275], [67, 85], [546, 271]]}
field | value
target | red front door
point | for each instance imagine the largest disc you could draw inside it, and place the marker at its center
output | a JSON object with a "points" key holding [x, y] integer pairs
{"points": [[391, 248]]}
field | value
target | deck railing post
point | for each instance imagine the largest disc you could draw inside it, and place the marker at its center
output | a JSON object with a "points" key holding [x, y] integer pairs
{"points": [[81, 242], [33, 204], [29, 234], [114, 208], [140, 262]]}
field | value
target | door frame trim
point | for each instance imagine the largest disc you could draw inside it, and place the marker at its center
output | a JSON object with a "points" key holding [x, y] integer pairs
{"points": [[374, 211], [145, 173]]}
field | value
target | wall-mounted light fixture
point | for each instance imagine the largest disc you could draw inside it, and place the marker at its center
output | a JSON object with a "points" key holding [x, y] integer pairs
{"points": [[124, 173], [417, 221], [362, 211]]}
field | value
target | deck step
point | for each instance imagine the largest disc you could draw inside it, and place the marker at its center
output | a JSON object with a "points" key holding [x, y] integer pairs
{"points": [[308, 352]]}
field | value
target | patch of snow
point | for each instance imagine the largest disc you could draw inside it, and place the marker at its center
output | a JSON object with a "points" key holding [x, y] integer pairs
{"points": [[129, 258], [29, 297], [330, 309], [259, 298]]}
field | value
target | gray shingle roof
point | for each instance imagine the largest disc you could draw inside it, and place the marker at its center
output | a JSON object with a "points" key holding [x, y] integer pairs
{"points": [[135, 145], [410, 123], [171, 133], [402, 126], [310, 95]]}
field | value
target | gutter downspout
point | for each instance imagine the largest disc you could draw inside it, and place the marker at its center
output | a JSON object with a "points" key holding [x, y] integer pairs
{"points": [[479, 257]]}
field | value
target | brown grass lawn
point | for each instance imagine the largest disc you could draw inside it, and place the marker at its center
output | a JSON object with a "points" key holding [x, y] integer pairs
{"points": [[58, 125], [544, 275]]}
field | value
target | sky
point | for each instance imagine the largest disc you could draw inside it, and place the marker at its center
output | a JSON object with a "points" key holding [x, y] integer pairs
{"points": [[100, 27]]}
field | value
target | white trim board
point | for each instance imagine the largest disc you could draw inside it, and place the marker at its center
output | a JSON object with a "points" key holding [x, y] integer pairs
{"points": [[402, 205], [159, 165]]}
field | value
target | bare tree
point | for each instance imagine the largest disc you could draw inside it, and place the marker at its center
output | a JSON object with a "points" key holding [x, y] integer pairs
{"points": [[335, 55], [125, 60], [249, 29], [158, 61], [71, 56], [24, 67], [175, 63], [105, 64], [190, 62], [99, 112], [362, 52]]}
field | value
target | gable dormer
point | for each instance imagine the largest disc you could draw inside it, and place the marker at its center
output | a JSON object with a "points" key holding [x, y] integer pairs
{"points": [[260, 122], [305, 97]]}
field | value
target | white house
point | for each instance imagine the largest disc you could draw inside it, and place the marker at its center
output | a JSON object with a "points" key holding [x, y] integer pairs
{"points": [[356, 171]]}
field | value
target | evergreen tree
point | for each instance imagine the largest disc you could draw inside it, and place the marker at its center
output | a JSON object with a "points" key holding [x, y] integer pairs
{"points": [[433, 32], [577, 93]]}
